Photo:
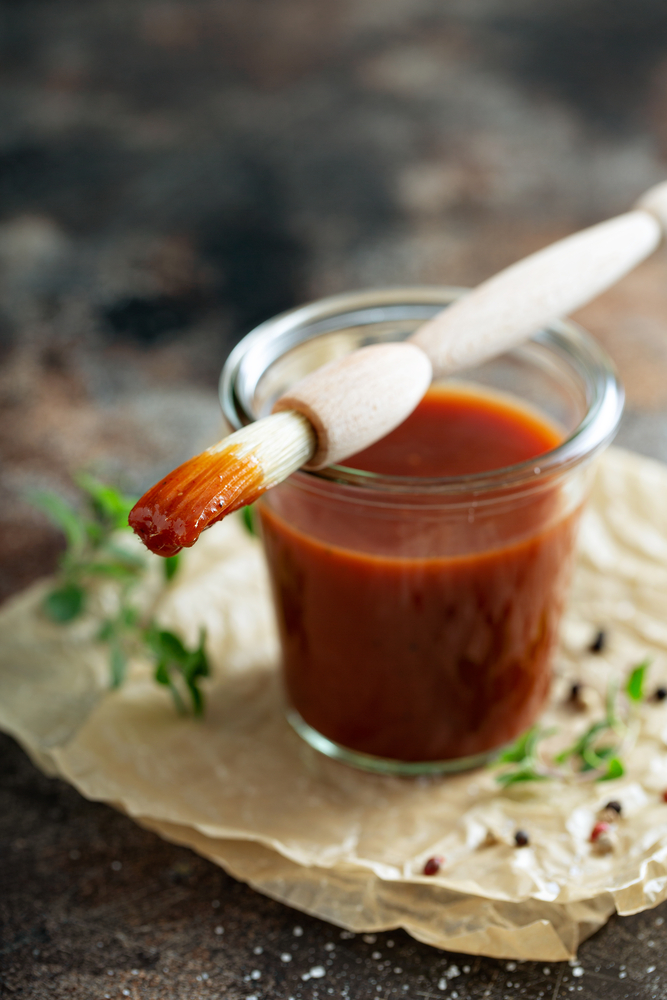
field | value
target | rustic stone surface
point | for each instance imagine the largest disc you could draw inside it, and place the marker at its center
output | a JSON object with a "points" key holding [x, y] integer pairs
{"points": [[172, 173]]}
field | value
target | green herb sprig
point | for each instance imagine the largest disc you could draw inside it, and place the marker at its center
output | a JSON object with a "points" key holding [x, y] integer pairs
{"points": [[93, 553], [596, 755]]}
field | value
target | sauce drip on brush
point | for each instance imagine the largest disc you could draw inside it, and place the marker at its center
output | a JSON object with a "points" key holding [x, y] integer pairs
{"points": [[201, 491]]}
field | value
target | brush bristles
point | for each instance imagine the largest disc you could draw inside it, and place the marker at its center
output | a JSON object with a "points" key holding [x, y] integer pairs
{"points": [[231, 474], [280, 444]]}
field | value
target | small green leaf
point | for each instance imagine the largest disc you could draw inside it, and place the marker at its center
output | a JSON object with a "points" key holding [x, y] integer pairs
{"points": [[107, 630], [109, 504], [162, 673], [170, 565], [65, 603], [62, 515], [248, 515], [634, 687], [521, 774], [615, 769], [171, 647], [118, 663]]}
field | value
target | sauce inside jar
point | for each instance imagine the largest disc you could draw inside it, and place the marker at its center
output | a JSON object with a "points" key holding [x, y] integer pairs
{"points": [[419, 633]]}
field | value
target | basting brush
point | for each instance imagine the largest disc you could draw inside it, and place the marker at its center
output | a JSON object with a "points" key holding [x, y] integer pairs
{"points": [[348, 404]]}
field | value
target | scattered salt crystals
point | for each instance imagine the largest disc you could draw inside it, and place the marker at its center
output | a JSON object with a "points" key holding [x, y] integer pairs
{"points": [[317, 972], [454, 995], [453, 971], [220, 930], [135, 972], [116, 866], [572, 962], [110, 972], [622, 975], [126, 993], [390, 944], [466, 968], [285, 957], [650, 969], [376, 955], [511, 966], [650, 944], [297, 931], [398, 970], [370, 938], [347, 935], [577, 971], [442, 984], [253, 996], [305, 976], [255, 974], [257, 950], [546, 971], [659, 921], [621, 967], [329, 946], [215, 904], [204, 976]]}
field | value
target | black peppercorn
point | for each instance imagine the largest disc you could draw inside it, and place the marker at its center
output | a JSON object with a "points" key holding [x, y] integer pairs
{"points": [[521, 838], [616, 806], [575, 691], [599, 643], [660, 694]]}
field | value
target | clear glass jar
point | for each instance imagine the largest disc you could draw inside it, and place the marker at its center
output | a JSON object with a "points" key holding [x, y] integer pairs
{"points": [[418, 617]]}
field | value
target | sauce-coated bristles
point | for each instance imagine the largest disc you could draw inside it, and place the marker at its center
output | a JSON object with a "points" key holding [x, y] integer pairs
{"points": [[231, 474]]}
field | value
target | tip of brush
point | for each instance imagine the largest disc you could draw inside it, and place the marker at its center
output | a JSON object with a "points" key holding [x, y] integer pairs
{"points": [[173, 513]]}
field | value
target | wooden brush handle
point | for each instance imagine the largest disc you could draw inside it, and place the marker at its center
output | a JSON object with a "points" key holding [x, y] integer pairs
{"points": [[355, 401], [551, 283]]}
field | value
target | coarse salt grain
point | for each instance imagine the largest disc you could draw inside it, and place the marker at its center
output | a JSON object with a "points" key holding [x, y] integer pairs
{"points": [[257, 950], [622, 975], [285, 957], [442, 984], [297, 931], [318, 971], [546, 971], [376, 955], [220, 930], [329, 946], [398, 970], [511, 966], [255, 974], [370, 938], [577, 971]]}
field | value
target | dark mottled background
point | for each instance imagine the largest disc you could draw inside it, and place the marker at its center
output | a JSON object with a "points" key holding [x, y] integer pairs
{"points": [[171, 173]]}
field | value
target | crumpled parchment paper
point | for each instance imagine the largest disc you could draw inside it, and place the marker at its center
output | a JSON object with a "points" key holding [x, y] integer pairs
{"points": [[241, 788]]}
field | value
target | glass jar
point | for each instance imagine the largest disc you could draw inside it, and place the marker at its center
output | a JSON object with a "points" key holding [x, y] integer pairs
{"points": [[418, 617]]}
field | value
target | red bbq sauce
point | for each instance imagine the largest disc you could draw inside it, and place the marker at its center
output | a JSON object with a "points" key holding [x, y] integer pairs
{"points": [[391, 647]]}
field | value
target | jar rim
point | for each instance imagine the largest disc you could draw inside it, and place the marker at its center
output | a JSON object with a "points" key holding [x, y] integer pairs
{"points": [[264, 345]]}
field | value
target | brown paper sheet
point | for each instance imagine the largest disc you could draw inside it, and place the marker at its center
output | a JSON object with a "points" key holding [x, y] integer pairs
{"points": [[242, 789]]}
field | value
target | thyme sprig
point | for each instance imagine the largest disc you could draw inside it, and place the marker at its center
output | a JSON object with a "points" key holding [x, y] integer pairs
{"points": [[596, 755], [92, 553]]}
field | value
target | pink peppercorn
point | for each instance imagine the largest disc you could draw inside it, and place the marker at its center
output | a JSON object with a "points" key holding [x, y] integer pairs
{"points": [[598, 830], [432, 866]]}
